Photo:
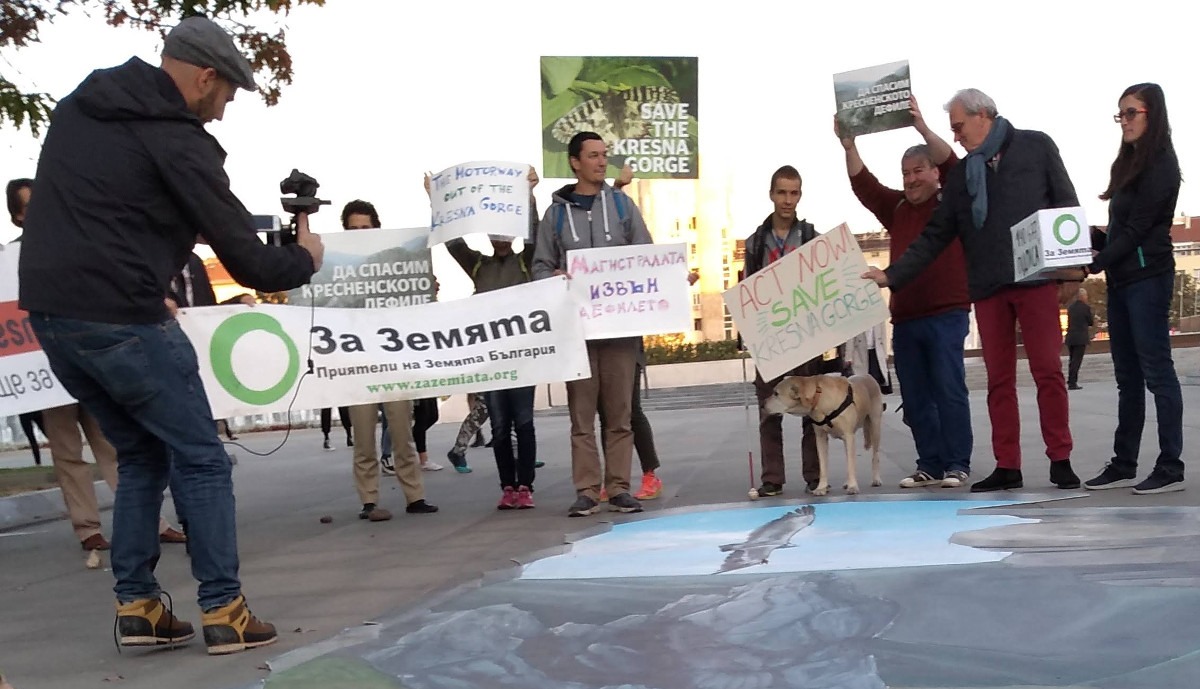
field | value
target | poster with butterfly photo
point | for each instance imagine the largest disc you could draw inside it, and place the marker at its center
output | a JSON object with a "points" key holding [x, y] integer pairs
{"points": [[645, 109]]}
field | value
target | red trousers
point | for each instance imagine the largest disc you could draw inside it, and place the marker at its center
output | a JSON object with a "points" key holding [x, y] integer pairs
{"points": [[1036, 309]]}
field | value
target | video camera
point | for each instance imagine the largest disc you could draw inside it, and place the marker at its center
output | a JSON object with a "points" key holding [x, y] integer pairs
{"points": [[304, 200]]}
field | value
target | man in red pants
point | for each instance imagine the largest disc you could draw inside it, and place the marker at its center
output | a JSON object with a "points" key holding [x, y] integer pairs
{"points": [[1008, 174]]}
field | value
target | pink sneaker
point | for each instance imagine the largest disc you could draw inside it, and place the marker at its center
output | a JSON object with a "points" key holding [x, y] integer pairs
{"points": [[508, 501], [524, 498], [651, 487]]}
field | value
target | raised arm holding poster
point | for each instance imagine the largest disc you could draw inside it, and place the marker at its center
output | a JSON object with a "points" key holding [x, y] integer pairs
{"points": [[644, 108], [873, 99], [627, 291], [252, 359], [489, 197], [371, 269], [806, 303]]}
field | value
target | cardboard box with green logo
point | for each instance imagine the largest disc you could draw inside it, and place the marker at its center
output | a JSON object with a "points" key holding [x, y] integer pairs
{"points": [[1050, 239]]}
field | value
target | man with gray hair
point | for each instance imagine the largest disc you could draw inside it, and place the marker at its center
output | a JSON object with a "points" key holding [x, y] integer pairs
{"points": [[127, 179], [1008, 174], [931, 316]]}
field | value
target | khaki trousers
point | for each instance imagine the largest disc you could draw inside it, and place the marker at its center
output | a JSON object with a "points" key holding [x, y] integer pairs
{"points": [[364, 418], [74, 475], [611, 385]]}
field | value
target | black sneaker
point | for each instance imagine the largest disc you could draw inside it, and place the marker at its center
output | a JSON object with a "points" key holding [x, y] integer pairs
{"points": [[1158, 483], [770, 490], [809, 486], [478, 442], [583, 507], [386, 467], [420, 507], [624, 503], [1062, 475], [1110, 478], [1001, 479], [328, 446]]}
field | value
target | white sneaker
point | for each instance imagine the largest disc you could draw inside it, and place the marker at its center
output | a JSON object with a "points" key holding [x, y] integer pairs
{"points": [[954, 479], [431, 466], [918, 480]]}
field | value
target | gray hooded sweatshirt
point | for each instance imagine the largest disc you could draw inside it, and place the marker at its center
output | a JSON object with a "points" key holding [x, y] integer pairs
{"points": [[568, 225]]}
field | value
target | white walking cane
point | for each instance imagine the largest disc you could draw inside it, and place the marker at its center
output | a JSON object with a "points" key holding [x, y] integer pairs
{"points": [[749, 433]]}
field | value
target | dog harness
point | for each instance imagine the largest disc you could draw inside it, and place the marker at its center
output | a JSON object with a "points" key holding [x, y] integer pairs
{"points": [[827, 421]]}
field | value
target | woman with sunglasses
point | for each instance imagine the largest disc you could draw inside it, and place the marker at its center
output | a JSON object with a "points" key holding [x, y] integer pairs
{"points": [[1138, 260]]}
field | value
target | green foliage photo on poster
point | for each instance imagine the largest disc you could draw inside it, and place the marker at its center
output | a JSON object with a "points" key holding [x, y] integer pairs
{"points": [[645, 109]]}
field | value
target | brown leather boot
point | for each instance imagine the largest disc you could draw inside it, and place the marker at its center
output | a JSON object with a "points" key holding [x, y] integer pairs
{"points": [[233, 628], [146, 622]]}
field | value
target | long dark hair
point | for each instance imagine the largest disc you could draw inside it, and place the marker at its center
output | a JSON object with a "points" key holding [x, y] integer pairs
{"points": [[12, 191], [1133, 158]]}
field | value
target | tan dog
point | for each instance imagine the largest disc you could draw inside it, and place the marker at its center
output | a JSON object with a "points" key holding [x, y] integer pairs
{"points": [[839, 407]]}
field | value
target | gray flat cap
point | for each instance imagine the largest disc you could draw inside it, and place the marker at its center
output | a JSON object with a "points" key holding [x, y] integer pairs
{"points": [[200, 42]]}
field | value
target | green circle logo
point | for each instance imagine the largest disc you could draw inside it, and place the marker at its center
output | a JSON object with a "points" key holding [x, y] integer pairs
{"points": [[1062, 220], [221, 353]]}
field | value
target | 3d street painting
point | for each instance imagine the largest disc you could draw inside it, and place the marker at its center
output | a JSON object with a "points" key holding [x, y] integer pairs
{"points": [[848, 595]]}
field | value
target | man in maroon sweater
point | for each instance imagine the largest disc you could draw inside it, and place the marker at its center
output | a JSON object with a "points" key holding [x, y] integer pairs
{"points": [[930, 316]]}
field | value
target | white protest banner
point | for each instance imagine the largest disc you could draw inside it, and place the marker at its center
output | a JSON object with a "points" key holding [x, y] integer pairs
{"points": [[371, 269], [806, 303], [491, 197], [635, 290], [252, 359], [26, 382]]}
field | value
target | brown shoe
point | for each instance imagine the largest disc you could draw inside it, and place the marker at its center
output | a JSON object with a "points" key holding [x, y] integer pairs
{"points": [[96, 542], [233, 628], [373, 513], [146, 622], [172, 536]]}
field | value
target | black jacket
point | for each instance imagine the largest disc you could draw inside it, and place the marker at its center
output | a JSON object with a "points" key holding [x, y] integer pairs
{"points": [[1138, 243], [1079, 323], [1028, 177], [127, 179]]}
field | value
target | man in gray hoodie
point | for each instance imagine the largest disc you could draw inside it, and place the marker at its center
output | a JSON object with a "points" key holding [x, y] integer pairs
{"points": [[591, 214]]}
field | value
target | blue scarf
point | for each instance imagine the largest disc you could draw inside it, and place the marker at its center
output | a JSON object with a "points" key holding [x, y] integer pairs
{"points": [[976, 163]]}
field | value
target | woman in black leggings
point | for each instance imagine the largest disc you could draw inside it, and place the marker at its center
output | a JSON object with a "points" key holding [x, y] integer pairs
{"points": [[327, 425], [425, 414]]}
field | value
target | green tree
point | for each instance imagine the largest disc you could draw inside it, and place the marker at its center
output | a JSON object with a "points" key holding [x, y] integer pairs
{"points": [[21, 21], [1183, 300]]}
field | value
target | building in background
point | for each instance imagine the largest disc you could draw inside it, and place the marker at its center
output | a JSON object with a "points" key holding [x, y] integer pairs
{"points": [[697, 213]]}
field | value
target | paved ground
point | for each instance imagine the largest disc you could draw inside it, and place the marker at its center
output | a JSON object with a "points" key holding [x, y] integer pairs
{"points": [[314, 580]]}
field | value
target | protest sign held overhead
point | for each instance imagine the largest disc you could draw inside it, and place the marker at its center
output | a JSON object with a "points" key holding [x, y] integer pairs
{"points": [[873, 99], [809, 301], [371, 269], [645, 109], [26, 381], [252, 359], [627, 291], [489, 197]]}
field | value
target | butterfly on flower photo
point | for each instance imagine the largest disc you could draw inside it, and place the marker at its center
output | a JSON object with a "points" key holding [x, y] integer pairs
{"points": [[614, 115]]}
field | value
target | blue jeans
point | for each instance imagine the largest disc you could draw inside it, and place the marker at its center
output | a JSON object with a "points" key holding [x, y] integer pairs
{"points": [[508, 409], [385, 437], [142, 383], [1139, 334], [928, 353]]}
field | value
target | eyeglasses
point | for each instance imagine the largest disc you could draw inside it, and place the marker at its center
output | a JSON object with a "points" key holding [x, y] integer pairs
{"points": [[1127, 114]]}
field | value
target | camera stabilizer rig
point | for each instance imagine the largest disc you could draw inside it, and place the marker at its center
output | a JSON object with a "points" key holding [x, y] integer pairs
{"points": [[304, 200]]}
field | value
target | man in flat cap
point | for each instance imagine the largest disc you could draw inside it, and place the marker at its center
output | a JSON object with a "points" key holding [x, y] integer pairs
{"points": [[127, 179]]}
